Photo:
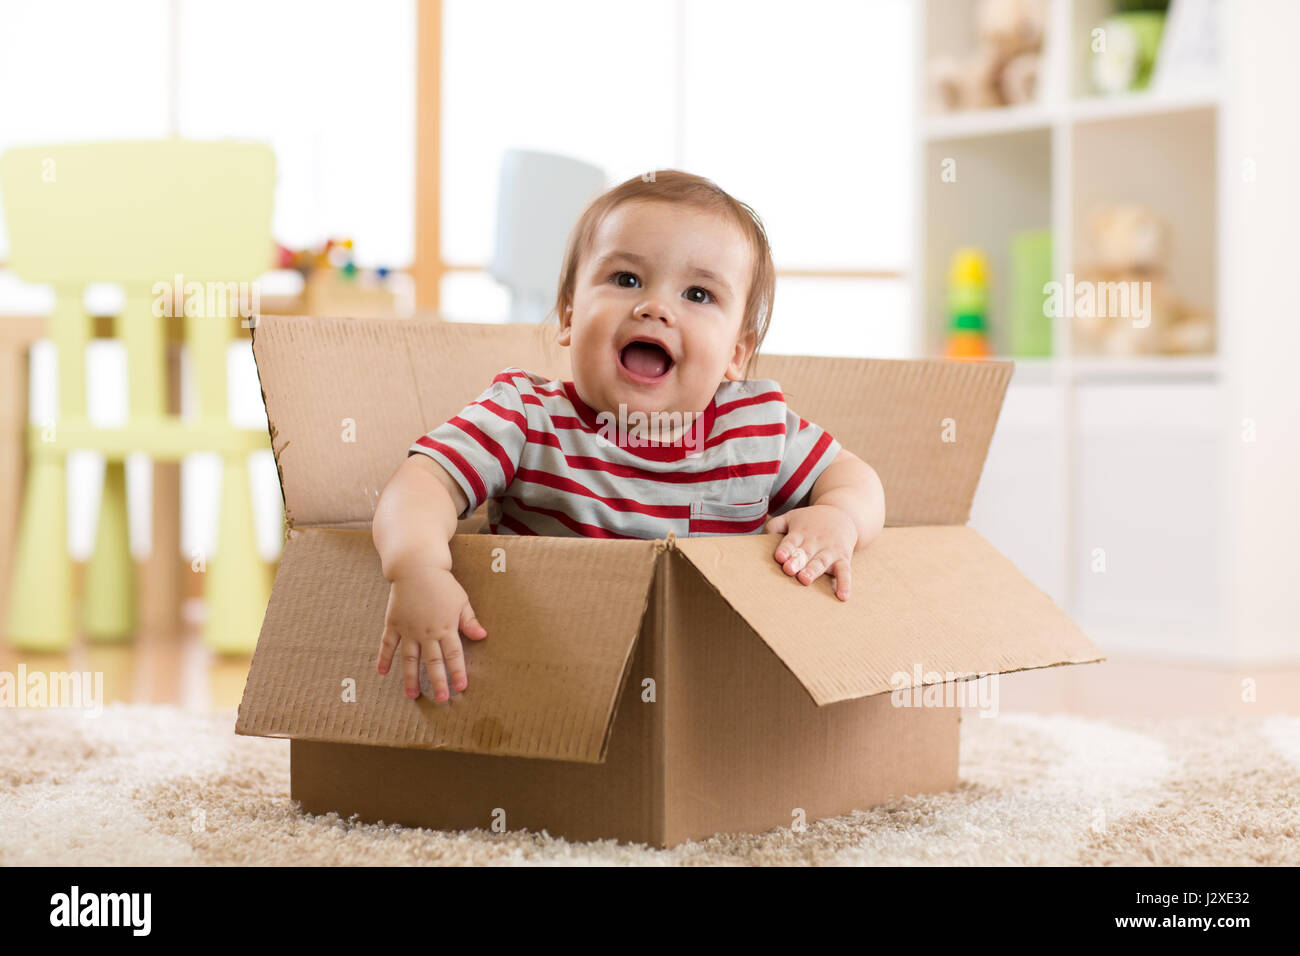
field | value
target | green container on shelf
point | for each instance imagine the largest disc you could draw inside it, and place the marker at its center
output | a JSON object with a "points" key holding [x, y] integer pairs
{"points": [[1029, 331]]}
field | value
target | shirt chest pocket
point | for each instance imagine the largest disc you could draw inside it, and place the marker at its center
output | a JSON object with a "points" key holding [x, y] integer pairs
{"points": [[719, 517]]}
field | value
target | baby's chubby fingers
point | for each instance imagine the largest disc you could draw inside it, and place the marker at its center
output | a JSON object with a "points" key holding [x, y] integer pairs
{"points": [[816, 539], [411, 667], [452, 653], [388, 642], [788, 552], [843, 571], [815, 567], [796, 558], [451, 658], [449, 654], [781, 525], [470, 626]]}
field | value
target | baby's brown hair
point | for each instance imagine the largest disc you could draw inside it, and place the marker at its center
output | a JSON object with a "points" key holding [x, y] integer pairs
{"points": [[675, 186]]}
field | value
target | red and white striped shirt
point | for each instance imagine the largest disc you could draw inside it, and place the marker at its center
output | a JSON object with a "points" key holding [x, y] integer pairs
{"points": [[548, 464]]}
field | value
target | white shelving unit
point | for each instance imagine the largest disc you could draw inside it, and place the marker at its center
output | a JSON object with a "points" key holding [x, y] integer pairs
{"points": [[1116, 484]]}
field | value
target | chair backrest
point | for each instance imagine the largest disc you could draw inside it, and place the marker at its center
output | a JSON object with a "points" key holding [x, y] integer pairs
{"points": [[137, 213], [190, 215], [539, 198]]}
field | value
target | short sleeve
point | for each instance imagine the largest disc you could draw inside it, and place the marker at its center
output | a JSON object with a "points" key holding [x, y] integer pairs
{"points": [[481, 446], [808, 451]]}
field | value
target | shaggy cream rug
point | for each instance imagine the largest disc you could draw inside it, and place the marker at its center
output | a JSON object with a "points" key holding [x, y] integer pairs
{"points": [[144, 785]]}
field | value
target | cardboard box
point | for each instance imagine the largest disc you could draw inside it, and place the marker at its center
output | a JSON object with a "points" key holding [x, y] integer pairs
{"points": [[649, 691]]}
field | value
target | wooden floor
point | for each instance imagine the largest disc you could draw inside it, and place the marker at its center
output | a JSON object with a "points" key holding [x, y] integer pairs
{"points": [[180, 669], [1127, 687], [152, 669]]}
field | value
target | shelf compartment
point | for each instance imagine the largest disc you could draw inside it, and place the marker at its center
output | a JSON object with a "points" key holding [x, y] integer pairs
{"points": [[1002, 186], [1168, 163]]}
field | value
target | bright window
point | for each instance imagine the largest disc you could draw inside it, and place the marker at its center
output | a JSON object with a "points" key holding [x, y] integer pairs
{"points": [[329, 84], [804, 112]]}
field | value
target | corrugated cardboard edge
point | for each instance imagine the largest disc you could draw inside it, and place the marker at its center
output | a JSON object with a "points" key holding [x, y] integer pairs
{"points": [[307, 644], [271, 431], [833, 678], [661, 549]]}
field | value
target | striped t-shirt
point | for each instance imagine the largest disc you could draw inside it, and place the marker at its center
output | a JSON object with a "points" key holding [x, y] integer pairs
{"points": [[549, 464]]}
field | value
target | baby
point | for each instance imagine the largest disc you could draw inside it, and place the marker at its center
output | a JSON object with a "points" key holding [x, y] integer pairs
{"points": [[664, 299]]}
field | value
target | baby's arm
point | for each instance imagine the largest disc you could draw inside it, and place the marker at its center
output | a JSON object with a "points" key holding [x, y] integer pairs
{"points": [[853, 486], [414, 523], [412, 528], [845, 513]]}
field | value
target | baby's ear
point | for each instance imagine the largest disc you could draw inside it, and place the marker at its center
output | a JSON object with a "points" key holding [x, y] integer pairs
{"points": [[566, 326], [739, 357]]}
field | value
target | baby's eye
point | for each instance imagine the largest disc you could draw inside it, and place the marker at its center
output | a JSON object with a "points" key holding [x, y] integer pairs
{"points": [[617, 277]]}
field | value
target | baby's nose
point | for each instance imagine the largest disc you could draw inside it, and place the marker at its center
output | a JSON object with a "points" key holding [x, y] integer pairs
{"points": [[655, 310]]}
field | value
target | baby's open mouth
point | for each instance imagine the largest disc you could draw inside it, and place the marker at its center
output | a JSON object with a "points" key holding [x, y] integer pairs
{"points": [[645, 359]]}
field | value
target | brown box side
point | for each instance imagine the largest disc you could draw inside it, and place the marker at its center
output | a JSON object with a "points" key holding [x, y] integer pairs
{"points": [[621, 798], [747, 746]]}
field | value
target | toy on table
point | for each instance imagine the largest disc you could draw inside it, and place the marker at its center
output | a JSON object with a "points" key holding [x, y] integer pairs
{"points": [[335, 255], [334, 285], [968, 282]]}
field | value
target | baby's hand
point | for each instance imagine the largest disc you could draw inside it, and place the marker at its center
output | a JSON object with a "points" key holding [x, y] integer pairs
{"points": [[818, 538], [427, 611]]}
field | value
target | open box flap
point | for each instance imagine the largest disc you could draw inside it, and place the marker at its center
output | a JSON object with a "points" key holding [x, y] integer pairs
{"points": [[923, 424], [938, 600], [345, 398], [562, 616]]}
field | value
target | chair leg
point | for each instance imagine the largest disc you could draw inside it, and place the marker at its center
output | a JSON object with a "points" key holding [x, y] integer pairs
{"points": [[40, 603], [160, 576], [110, 614], [236, 587]]}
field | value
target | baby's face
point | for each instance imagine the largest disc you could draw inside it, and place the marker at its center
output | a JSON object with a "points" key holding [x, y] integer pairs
{"points": [[657, 309]]}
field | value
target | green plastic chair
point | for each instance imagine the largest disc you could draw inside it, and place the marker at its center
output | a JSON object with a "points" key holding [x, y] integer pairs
{"points": [[136, 214]]}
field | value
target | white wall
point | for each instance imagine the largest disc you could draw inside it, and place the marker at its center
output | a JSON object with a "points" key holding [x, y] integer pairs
{"points": [[1262, 344]]}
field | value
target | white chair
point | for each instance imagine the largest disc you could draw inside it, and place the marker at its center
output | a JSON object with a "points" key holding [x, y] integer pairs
{"points": [[539, 199]]}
